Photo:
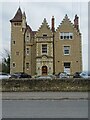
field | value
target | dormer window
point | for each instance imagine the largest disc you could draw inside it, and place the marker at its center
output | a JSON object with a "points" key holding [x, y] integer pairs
{"points": [[66, 36], [44, 35]]}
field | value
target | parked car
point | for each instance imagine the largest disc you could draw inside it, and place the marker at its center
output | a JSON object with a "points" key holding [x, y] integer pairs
{"points": [[52, 76], [44, 77], [81, 75], [77, 75], [20, 75], [63, 75], [85, 75], [4, 76]]}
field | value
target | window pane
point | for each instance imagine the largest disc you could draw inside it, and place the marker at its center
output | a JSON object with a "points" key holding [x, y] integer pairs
{"points": [[61, 37], [66, 35], [27, 65], [44, 35], [14, 65], [66, 50], [67, 65], [13, 42], [44, 48], [17, 53], [71, 35], [27, 51], [27, 36]]}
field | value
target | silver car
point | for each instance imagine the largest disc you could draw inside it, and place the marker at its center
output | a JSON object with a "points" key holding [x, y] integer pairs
{"points": [[4, 76], [84, 75], [63, 75], [44, 77]]}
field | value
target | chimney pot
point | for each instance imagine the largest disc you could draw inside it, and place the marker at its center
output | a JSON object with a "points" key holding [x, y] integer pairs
{"points": [[53, 28], [76, 24]]}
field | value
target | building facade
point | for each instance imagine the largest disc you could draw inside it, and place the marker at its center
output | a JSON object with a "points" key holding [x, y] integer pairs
{"points": [[45, 51]]}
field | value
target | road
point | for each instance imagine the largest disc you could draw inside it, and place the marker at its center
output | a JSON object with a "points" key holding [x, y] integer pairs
{"points": [[45, 109], [45, 105], [44, 95]]}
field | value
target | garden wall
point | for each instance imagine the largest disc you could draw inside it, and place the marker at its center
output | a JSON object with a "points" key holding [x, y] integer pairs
{"points": [[76, 84]]}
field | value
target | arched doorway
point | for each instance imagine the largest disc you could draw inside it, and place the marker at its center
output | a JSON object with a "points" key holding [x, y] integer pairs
{"points": [[44, 70]]}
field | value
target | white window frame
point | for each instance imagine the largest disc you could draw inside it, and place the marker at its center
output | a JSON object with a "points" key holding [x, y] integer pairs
{"points": [[67, 49], [42, 49], [27, 51], [66, 35]]}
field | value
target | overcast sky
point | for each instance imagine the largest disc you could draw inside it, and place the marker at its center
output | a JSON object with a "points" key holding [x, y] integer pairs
{"points": [[37, 11]]}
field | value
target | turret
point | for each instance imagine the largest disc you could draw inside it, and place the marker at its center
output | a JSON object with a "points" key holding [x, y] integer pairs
{"points": [[18, 16], [17, 43], [23, 21]]}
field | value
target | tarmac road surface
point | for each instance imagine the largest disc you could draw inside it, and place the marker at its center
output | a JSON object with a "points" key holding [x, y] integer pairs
{"points": [[44, 95]]}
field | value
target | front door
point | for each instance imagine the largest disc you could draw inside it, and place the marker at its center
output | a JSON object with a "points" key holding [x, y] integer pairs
{"points": [[67, 67], [44, 70]]}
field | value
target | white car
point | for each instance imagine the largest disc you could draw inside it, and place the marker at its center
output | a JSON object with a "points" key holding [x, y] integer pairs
{"points": [[4, 76], [63, 75], [84, 75]]}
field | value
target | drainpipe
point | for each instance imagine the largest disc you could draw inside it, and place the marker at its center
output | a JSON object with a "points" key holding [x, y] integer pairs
{"points": [[53, 30], [24, 54]]}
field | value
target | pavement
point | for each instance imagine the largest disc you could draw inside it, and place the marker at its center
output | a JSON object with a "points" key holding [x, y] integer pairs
{"points": [[43, 95]]}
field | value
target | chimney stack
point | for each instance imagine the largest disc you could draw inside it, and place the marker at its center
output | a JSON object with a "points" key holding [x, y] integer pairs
{"points": [[76, 24], [53, 28]]}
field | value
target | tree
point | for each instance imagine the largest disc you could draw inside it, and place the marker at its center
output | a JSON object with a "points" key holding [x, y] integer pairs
{"points": [[6, 62]]}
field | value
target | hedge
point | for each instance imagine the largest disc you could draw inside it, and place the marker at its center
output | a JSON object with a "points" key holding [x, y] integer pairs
{"points": [[29, 85]]}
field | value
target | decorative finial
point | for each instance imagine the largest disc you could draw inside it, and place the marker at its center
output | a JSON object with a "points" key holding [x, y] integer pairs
{"points": [[19, 3], [66, 16], [24, 15], [44, 19]]}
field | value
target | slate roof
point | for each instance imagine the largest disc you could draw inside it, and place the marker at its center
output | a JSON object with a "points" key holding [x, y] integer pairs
{"points": [[30, 30], [18, 16]]}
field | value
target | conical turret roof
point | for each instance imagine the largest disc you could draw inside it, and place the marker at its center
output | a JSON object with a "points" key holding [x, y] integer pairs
{"points": [[18, 16]]}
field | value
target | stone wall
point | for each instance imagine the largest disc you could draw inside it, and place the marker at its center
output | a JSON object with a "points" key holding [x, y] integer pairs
{"points": [[45, 85]]}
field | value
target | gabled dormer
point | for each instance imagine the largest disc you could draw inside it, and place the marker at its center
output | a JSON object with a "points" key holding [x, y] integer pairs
{"points": [[44, 30], [67, 26]]}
